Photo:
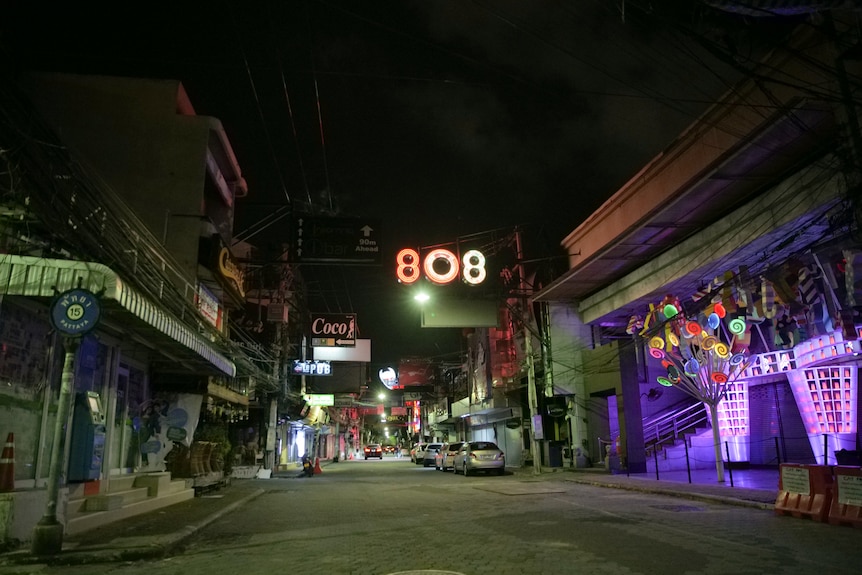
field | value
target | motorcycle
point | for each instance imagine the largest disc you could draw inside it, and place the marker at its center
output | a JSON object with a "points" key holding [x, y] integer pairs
{"points": [[307, 468]]}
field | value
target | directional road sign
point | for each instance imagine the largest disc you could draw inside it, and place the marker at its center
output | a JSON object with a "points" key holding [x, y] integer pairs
{"points": [[318, 239]]}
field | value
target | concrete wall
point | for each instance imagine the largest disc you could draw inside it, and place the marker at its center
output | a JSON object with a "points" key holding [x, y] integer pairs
{"points": [[19, 513], [570, 338], [129, 131]]}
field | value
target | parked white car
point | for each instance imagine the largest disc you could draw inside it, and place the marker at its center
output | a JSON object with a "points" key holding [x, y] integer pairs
{"points": [[444, 460], [430, 453], [417, 454]]}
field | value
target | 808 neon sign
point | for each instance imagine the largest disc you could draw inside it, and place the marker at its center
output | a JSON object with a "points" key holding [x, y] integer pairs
{"points": [[441, 266]]}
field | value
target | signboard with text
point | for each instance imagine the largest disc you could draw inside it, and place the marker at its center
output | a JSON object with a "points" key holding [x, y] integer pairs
{"points": [[321, 399], [318, 239], [311, 367], [333, 330]]}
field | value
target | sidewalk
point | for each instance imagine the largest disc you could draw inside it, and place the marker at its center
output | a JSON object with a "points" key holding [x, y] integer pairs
{"points": [[156, 534], [144, 536], [752, 488]]}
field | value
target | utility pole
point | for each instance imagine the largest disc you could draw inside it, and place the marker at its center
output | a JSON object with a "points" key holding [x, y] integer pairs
{"points": [[532, 399]]}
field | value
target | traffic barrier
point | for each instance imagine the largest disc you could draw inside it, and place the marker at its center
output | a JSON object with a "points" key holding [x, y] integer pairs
{"points": [[317, 469], [804, 491], [846, 508], [7, 465]]}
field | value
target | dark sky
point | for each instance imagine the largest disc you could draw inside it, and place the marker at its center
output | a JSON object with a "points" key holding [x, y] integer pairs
{"points": [[441, 119]]}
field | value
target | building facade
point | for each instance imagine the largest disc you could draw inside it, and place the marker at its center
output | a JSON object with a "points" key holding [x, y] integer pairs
{"points": [[751, 212], [116, 187]]}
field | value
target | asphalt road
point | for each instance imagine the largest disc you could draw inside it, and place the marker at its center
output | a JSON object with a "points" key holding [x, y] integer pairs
{"points": [[391, 516]]}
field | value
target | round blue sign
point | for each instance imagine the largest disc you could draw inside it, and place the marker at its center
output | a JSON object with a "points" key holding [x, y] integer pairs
{"points": [[76, 312]]}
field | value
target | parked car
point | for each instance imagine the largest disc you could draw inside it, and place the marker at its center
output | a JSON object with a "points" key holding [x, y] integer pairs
{"points": [[373, 450], [479, 456], [430, 451], [445, 457], [417, 453]]}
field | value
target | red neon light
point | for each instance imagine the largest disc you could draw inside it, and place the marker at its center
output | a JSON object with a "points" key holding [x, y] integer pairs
{"points": [[408, 266]]}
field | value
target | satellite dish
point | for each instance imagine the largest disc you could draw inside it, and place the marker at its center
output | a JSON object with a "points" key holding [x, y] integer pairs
{"points": [[653, 394]]}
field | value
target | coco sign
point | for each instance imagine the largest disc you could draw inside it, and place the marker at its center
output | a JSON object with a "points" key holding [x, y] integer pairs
{"points": [[333, 330], [440, 266]]}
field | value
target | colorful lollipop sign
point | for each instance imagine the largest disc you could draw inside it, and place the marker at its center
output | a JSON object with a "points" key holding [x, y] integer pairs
{"points": [[701, 362]]}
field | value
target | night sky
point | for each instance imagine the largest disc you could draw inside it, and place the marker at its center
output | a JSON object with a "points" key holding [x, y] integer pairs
{"points": [[440, 119]]}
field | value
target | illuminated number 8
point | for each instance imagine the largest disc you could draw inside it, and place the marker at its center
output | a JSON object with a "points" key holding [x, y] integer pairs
{"points": [[408, 266], [474, 267]]}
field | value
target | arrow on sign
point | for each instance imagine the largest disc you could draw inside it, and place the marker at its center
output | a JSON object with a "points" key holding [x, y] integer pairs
{"points": [[345, 342], [366, 230]]}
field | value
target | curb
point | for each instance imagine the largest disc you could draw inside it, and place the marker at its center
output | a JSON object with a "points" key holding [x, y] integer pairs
{"points": [[159, 548], [586, 479], [681, 494]]}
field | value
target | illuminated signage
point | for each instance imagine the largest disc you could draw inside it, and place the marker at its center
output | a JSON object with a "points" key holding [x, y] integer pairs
{"points": [[333, 330], [441, 266], [208, 305], [230, 270], [388, 377], [321, 399], [311, 367]]}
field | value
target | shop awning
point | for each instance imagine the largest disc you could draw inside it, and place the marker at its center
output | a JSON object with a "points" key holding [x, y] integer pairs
{"points": [[43, 277]]}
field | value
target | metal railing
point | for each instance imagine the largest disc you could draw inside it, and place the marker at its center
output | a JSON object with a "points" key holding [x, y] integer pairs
{"points": [[669, 426]]}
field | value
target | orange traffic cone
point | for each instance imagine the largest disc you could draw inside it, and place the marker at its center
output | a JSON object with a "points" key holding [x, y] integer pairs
{"points": [[317, 469], [7, 465]]}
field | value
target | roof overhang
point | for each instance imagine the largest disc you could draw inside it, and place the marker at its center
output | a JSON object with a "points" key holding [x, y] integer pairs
{"points": [[615, 254], [44, 278]]}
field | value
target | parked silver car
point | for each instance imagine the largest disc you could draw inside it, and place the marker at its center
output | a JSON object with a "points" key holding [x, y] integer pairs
{"points": [[430, 452], [479, 456], [445, 457]]}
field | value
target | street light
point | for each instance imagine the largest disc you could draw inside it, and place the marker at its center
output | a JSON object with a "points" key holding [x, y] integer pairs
{"points": [[422, 297]]}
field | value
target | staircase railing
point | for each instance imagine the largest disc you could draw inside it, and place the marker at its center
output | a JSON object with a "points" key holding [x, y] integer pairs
{"points": [[671, 425]]}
